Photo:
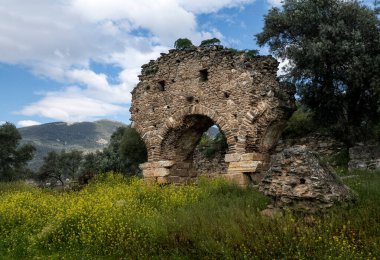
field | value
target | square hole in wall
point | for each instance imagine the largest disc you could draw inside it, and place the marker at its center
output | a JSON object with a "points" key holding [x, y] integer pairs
{"points": [[161, 85], [203, 74]]}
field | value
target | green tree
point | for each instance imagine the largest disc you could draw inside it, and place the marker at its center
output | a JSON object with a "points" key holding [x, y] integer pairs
{"points": [[91, 163], [71, 162], [13, 158], [334, 49], [210, 42], [182, 43], [52, 168], [211, 146], [132, 150], [124, 154]]}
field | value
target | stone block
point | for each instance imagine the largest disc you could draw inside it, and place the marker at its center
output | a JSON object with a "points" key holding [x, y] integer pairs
{"points": [[244, 166], [148, 173], [255, 157], [145, 165], [165, 164], [161, 172], [232, 157], [240, 179]]}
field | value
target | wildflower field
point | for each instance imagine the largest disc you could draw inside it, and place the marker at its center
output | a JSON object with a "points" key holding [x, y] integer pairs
{"points": [[119, 218]]}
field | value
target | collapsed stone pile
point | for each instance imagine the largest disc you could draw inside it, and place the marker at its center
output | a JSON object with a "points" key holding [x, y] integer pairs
{"points": [[297, 179]]}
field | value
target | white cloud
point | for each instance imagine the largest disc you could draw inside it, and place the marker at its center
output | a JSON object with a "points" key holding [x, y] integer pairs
{"points": [[2, 122], [202, 6], [275, 3], [25, 123], [59, 39], [72, 105]]}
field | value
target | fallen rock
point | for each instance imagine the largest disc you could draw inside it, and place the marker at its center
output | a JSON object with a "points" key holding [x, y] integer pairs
{"points": [[298, 180]]}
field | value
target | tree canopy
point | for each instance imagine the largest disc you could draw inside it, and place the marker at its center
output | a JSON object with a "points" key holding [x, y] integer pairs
{"points": [[210, 42], [334, 51], [13, 158], [182, 43]]}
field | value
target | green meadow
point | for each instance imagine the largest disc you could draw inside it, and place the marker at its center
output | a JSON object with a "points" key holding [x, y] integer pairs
{"points": [[119, 218]]}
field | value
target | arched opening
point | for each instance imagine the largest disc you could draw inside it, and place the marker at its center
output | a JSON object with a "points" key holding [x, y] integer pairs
{"points": [[208, 158], [197, 146]]}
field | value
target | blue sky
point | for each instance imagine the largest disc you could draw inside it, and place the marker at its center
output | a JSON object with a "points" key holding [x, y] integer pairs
{"points": [[78, 60]]}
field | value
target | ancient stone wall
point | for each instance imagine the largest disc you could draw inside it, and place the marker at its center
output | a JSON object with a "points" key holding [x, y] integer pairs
{"points": [[364, 157], [324, 145], [182, 93]]}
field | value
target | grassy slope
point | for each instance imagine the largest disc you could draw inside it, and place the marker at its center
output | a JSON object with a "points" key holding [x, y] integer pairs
{"points": [[118, 218]]}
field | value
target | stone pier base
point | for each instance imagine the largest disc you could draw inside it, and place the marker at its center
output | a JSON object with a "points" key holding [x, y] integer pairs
{"points": [[243, 169], [247, 168]]}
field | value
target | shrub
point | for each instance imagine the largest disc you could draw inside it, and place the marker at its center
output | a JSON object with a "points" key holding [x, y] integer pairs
{"points": [[182, 43], [299, 124], [210, 42]]}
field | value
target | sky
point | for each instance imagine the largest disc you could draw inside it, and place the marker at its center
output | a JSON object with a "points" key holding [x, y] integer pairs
{"points": [[78, 60]]}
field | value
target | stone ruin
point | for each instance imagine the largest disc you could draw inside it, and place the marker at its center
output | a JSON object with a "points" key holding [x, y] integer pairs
{"points": [[183, 93], [299, 180]]}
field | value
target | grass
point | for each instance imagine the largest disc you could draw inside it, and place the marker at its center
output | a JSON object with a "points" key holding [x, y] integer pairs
{"points": [[118, 218]]}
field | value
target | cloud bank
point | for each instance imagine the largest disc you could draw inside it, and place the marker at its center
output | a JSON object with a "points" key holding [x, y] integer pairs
{"points": [[60, 40]]}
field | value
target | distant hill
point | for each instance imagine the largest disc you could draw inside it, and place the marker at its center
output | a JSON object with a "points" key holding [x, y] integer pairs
{"points": [[57, 136]]}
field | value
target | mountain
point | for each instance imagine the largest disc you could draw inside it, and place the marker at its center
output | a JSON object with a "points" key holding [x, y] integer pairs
{"points": [[57, 136], [212, 131]]}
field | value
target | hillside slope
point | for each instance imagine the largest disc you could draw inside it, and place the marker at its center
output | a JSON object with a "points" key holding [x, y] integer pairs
{"points": [[57, 136]]}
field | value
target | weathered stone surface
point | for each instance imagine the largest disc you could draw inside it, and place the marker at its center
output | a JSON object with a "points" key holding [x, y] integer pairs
{"points": [[243, 166], [323, 145], [183, 93], [254, 157], [232, 157], [364, 157], [156, 172], [204, 165], [297, 179], [165, 164], [240, 179]]}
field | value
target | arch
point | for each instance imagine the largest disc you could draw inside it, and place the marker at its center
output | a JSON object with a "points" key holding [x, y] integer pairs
{"points": [[176, 120]]}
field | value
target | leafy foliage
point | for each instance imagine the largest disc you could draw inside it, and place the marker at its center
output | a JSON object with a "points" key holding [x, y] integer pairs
{"points": [[132, 150], [59, 166], [210, 146], [124, 154], [251, 53], [13, 158], [52, 168], [334, 46], [182, 43], [210, 42], [299, 124]]}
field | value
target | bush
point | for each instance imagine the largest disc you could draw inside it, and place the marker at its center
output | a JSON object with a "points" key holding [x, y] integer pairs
{"points": [[182, 43], [210, 42], [299, 124]]}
